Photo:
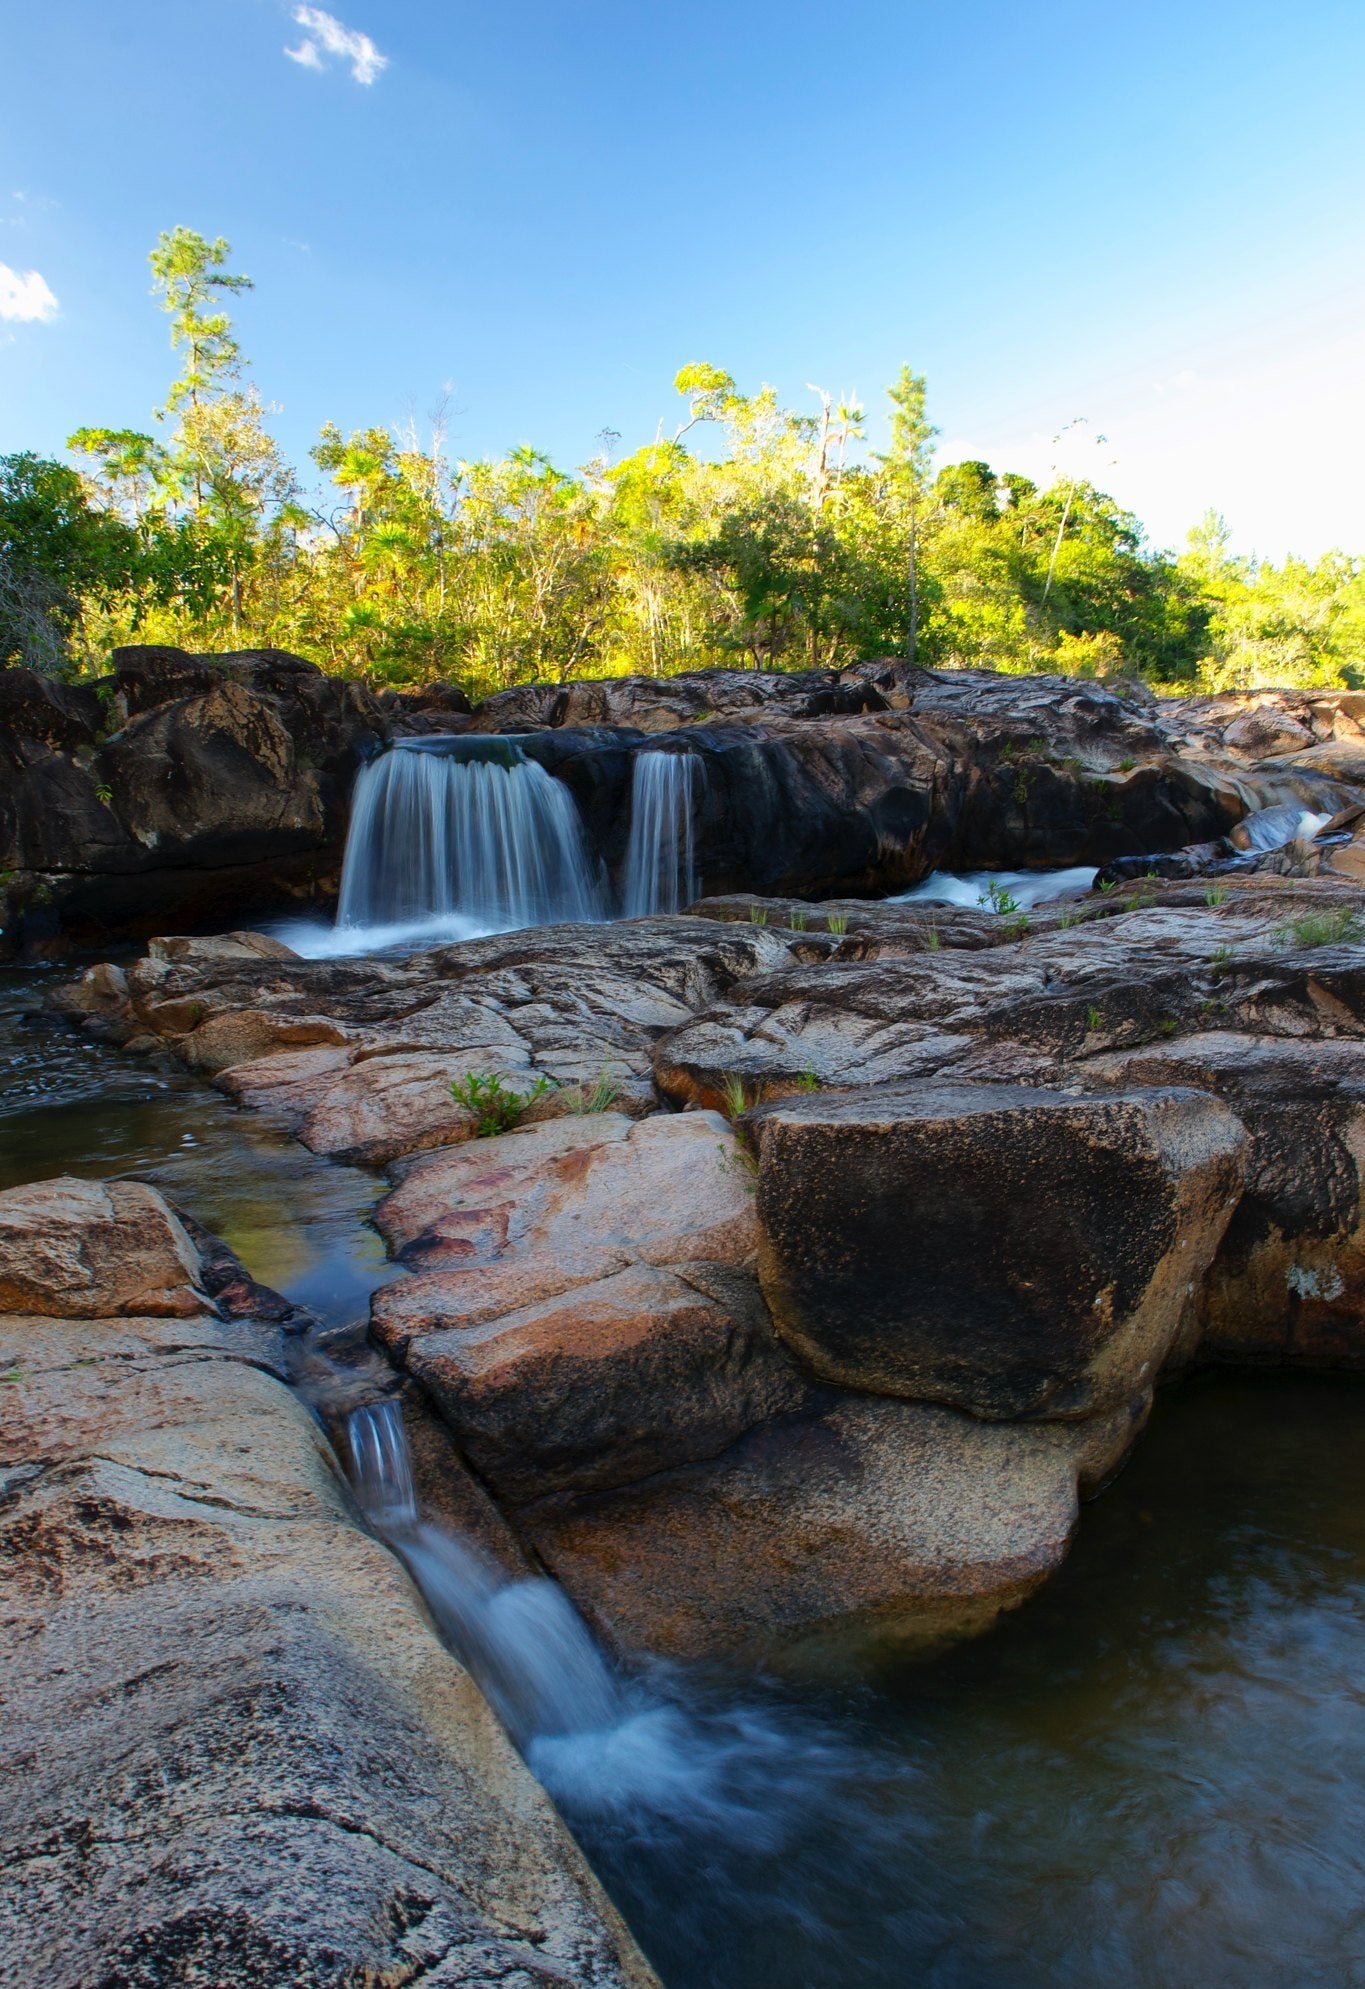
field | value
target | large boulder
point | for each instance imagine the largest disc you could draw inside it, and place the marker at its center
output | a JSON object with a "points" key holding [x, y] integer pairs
{"points": [[883, 1522], [583, 1311], [95, 1250], [1007, 1250], [180, 788], [1287, 1284]]}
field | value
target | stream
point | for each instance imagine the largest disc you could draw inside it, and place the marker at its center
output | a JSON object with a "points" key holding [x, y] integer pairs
{"points": [[1154, 1774]]}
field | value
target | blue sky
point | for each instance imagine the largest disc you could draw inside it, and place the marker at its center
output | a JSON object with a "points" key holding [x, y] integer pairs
{"points": [[1150, 217]]}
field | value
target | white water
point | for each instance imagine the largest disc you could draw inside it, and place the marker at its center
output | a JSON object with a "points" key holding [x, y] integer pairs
{"points": [[629, 1750], [1026, 887], [660, 874], [449, 843]]}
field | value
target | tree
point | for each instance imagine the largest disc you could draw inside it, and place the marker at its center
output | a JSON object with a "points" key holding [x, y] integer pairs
{"points": [[907, 464], [56, 552]]}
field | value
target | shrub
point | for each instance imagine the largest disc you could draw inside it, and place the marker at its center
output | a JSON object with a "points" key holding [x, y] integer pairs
{"points": [[495, 1107]]}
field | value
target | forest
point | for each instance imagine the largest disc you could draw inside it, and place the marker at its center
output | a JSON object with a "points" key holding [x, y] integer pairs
{"points": [[753, 535]]}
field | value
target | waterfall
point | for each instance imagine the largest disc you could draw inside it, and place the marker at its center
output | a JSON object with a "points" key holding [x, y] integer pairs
{"points": [[659, 873], [461, 838], [381, 1465], [523, 1640]]}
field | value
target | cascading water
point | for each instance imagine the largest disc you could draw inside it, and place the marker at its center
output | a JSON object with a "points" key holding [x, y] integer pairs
{"points": [[451, 839], [660, 875]]}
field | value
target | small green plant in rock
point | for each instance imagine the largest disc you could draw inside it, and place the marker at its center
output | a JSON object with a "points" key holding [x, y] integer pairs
{"points": [[758, 915], [1221, 958], [1127, 764], [1093, 1019], [1142, 901], [995, 897], [1215, 894], [1018, 928], [932, 939], [495, 1107], [599, 1096], [1322, 928], [1168, 1025], [1107, 884], [836, 922], [808, 1081], [734, 1095], [797, 922], [104, 794]]}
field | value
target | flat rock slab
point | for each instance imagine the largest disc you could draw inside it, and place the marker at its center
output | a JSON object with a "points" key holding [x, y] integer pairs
{"points": [[236, 1754], [878, 1521], [1011, 1251], [597, 1187]]}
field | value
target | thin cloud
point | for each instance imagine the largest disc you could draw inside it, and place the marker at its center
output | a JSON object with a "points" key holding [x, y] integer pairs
{"points": [[327, 36], [25, 297]]}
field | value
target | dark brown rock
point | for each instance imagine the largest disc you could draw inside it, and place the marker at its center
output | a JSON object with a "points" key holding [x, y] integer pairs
{"points": [[1010, 1251]]}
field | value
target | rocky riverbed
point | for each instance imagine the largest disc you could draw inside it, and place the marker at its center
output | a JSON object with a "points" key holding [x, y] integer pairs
{"points": [[838, 1257]]}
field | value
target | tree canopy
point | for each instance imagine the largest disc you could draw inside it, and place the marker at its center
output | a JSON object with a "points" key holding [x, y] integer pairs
{"points": [[755, 534]]}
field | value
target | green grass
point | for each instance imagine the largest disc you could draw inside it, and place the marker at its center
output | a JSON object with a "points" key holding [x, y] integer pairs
{"points": [[599, 1096], [734, 1095], [758, 915], [1215, 894], [495, 1107], [1331, 928], [808, 1081], [1093, 1019], [797, 922], [836, 923], [1220, 958]]}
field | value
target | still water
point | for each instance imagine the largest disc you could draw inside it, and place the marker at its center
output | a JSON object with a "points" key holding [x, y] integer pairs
{"points": [[1153, 1775]]}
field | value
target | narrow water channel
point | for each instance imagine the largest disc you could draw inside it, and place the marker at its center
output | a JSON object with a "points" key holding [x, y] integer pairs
{"points": [[1153, 1775]]}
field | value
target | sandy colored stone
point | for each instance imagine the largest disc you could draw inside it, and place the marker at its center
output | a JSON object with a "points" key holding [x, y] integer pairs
{"points": [[608, 1382], [889, 1521], [600, 1187], [236, 1754], [1011, 1251], [94, 1250], [291, 1081], [241, 1035]]}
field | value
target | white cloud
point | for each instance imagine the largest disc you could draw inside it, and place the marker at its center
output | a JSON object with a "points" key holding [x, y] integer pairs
{"points": [[24, 296], [325, 35]]}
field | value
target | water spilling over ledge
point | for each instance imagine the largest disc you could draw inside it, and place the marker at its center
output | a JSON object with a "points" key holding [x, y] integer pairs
{"points": [[660, 873], [448, 838]]}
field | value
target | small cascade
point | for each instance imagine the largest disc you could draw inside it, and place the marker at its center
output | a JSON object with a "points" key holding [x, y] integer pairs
{"points": [[523, 1640], [660, 874], [465, 837], [381, 1466]]}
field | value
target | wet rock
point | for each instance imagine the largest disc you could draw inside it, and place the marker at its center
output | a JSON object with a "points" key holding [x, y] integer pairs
{"points": [[889, 1522], [92, 1250], [1009, 1251], [385, 1106]]}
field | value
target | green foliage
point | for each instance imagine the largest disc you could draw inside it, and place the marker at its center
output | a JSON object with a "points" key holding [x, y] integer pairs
{"points": [[1093, 1019], [734, 1096], [1329, 928], [495, 1107], [753, 534], [1215, 894], [837, 922], [996, 897], [808, 1081], [758, 915], [599, 1096], [1220, 959]]}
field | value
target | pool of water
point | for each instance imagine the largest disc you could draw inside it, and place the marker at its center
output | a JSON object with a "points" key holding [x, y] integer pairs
{"points": [[1152, 1775], [69, 1105], [999, 890]]}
